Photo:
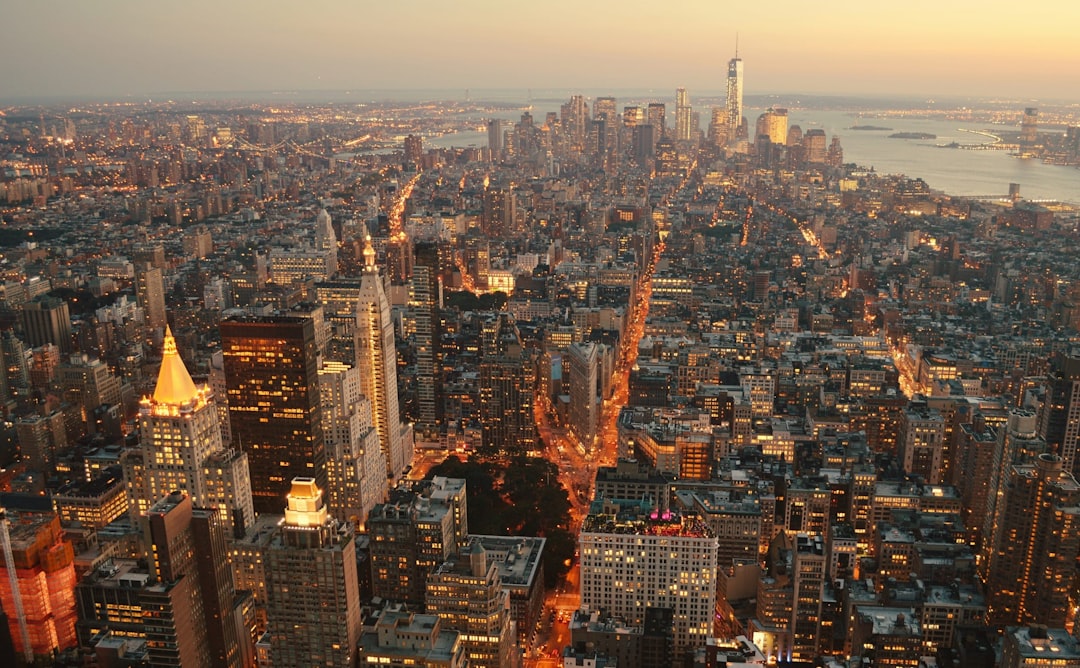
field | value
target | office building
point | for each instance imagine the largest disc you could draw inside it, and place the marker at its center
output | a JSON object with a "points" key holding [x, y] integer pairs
{"points": [[1059, 421], [425, 300], [584, 410], [466, 593], [313, 598], [187, 609], [1034, 546], [150, 295], [47, 320], [376, 360], [355, 465], [633, 559], [507, 386], [922, 443], [271, 374], [417, 529], [1039, 647], [683, 115], [521, 571], [495, 138], [774, 125], [887, 637], [180, 439], [656, 116], [734, 105]]}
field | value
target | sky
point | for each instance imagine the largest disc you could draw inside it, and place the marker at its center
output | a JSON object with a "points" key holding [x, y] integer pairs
{"points": [[140, 48]]}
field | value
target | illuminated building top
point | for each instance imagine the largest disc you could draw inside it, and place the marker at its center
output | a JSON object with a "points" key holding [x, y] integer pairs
{"points": [[174, 384]]}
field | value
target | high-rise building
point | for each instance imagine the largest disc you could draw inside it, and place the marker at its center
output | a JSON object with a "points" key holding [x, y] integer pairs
{"points": [[325, 237], [774, 124], [584, 409], [1029, 128], [507, 385], [271, 372], [632, 560], [1059, 421], [1034, 546], [808, 583], [734, 104], [376, 359], [182, 448], [467, 594], [425, 301], [188, 612], [922, 443], [656, 116], [414, 532], [814, 148], [495, 138], [47, 320], [575, 122], [604, 110], [313, 596], [414, 151], [44, 574], [150, 294], [355, 465], [683, 115]]}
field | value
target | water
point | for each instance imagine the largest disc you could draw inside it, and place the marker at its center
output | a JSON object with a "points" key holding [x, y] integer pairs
{"points": [[952, 171]]}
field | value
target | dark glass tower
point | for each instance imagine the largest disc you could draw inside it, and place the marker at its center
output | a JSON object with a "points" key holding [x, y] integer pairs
{"points": [[271, 377]]}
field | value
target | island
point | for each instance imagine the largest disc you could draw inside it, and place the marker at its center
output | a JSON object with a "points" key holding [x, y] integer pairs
{"points": [[871, 128], [912, 135]]}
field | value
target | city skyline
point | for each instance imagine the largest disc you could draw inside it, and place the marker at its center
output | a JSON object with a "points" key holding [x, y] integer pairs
{"points": [[240, 46]]}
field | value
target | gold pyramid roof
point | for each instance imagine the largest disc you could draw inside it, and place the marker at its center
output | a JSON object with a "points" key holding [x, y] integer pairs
{"points": [[174, 384]]}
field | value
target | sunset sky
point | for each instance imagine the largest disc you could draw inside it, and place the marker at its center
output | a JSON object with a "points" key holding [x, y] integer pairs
{"points": [[134, 47]]}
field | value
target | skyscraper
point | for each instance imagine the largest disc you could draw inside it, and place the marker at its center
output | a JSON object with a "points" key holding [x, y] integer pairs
{"points": [[180, 437], [47, 320], [325, 237], [683, 115], [271, 375], [734, 95], [656, 116], [1034, 546], [414, 532], [377, 361], [1059, 422], [425, 301], [495, 138], [355, 465], [188, 614], [313, 596], [466, 593], [507, 385], [584, 410], [150, 293]]}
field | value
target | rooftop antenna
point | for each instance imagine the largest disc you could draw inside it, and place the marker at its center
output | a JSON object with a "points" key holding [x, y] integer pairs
{"points": [[736, 44]]}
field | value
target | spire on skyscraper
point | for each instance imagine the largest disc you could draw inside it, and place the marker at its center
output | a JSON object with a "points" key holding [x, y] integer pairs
{"points": [[174, 384], [369, 255]]}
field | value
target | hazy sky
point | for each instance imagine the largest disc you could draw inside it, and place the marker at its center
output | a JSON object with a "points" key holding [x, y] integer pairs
{"points": [[141, 47]]}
